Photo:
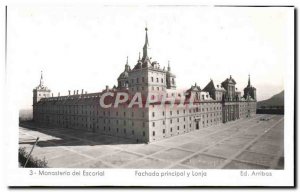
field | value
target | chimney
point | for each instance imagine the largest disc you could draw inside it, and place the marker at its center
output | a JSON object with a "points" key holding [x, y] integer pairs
{"points": [[74, 92], [69, 92], [81, 91], [58, 94], [77, 92], [85, 92], [106, 87], [52, 94]]}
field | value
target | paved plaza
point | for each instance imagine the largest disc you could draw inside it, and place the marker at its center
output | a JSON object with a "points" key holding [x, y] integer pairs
{"points": [[254, 143]]}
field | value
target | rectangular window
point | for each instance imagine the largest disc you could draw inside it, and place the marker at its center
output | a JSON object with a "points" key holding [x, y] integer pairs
{"points": [[153, 133], [153, 114], [153, 124], [164, 131], [144, 133]]}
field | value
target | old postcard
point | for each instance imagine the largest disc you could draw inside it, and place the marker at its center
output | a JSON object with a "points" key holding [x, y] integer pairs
{"points": [[150, 95]]}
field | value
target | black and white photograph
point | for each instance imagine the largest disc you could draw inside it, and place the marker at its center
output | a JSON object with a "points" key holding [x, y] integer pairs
{"points": [[163, 95]]}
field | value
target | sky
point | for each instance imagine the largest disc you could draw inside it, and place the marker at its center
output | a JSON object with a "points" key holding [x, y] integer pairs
{"points": [[82, 47]]}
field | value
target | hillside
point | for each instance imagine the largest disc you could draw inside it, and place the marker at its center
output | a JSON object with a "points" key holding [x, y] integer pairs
{"points": [[275, 100]]}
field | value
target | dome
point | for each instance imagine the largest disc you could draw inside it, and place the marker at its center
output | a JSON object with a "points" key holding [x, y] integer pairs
{"points": [[123, 75]]}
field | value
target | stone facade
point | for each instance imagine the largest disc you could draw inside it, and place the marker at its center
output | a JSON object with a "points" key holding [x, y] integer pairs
{"points": [[212, 105]]}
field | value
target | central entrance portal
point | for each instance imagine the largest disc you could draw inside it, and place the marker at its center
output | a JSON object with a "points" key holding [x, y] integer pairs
{"points": [[197, 125]]}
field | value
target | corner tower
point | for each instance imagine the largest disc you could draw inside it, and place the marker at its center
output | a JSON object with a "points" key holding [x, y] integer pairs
{"points": [[250, 90], [40, 91]]}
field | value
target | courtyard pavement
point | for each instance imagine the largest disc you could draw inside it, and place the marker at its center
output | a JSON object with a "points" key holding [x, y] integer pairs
{"points": [[250, 143]]}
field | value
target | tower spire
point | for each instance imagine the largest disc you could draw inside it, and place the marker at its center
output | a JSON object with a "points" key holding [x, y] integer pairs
{"points": [[169, 68], [41, 80], [146, 46], [126, 65], [249, 83]]}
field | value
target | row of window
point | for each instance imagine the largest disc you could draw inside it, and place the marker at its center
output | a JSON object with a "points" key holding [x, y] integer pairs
{"points": [[184, 126], [152, 88], [143, 80], [190, 111], [178, 120], [124, 131]]}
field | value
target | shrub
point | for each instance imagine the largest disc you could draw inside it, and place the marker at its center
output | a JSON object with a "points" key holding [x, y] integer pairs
{"points": [[32, 162]]}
